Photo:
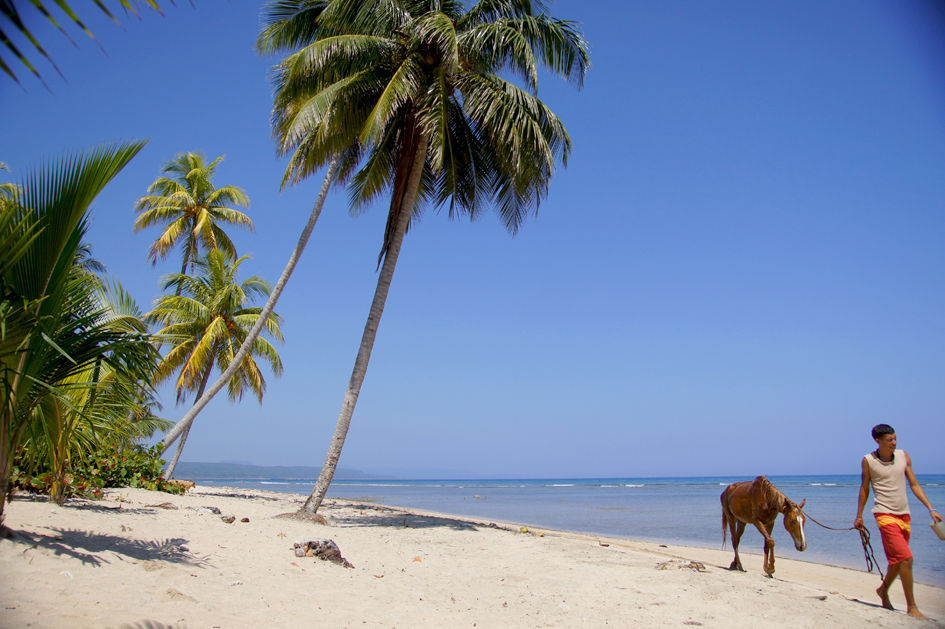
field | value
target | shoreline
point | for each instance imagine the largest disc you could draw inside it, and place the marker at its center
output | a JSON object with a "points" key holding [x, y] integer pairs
{"points": [[124, 560]]}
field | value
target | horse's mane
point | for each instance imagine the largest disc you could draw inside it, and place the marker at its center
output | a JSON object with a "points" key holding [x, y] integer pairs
{"points": [[774, 496]]}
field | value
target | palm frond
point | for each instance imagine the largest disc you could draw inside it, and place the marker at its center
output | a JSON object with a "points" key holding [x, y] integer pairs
{"points": [[8, 8]]}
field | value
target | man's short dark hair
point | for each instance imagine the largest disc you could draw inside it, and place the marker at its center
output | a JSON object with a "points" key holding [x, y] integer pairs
{"points": [[880, 430]]}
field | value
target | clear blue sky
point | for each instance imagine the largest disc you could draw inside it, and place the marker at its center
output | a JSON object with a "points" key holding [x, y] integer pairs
{"points": [[741, 271]]}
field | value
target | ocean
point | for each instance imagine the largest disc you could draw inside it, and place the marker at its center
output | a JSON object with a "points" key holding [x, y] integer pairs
{"points": [[682, 511]]}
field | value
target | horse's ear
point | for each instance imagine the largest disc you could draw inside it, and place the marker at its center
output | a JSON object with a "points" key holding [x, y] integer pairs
{"points": [[801, 506]]}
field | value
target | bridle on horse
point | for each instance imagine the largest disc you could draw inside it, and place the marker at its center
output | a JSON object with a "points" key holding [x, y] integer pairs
{"points": [[864, 539]]}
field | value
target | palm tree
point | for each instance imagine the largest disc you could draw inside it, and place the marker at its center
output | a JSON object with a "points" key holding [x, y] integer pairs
{"points": [[98, 400], [9, 9], [183, 425], [191, 209], [51, 330], [206, 324], [408, 94]]}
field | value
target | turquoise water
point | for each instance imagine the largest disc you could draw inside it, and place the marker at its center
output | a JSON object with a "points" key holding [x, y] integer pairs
{"points": [[683, 511]]}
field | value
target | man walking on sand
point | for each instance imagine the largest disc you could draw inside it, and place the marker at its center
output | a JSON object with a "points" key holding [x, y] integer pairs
{"points": [[887, 472]]}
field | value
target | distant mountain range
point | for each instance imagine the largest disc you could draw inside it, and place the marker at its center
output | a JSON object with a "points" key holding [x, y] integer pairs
{"points": [[226, 471]]}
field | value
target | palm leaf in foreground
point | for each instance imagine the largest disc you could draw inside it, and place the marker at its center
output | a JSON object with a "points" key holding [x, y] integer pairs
{"points": [[10, 10], [49, 332]]}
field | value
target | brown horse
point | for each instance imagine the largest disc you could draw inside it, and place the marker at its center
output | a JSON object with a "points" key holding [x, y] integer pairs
{"points": [[759, 502]]}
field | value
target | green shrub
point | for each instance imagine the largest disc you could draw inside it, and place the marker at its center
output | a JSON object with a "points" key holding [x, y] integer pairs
{"points": [[111, 467]]}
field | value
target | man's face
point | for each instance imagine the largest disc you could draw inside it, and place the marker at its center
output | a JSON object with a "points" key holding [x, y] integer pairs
{"points": [[887, 442]]}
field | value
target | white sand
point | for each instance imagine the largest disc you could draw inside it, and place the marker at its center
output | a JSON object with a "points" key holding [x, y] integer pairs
{"points": [[89, 564]]}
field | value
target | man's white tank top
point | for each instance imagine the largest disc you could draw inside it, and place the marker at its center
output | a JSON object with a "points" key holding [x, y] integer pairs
{"points": [[889, 483]]}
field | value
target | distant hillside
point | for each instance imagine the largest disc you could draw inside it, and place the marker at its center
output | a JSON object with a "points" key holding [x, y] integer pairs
{"points": [[223, 471]]}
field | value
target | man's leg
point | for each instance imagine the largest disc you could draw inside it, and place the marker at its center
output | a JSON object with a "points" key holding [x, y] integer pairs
{"points": [[905, 572], [891, 573], [895, 530]]}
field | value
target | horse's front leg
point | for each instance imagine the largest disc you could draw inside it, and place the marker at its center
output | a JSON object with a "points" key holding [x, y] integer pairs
{"points": [[769, 547], [738, 527]]}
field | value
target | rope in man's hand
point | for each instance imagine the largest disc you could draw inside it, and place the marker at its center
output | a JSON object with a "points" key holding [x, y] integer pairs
{"points": [[864, 539], [868, 553]]}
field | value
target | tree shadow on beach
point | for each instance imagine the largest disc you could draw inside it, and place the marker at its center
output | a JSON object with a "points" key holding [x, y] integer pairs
{"points": [[149, 624], [233, 494], [83, 504], [355, 515], [87, 546]]}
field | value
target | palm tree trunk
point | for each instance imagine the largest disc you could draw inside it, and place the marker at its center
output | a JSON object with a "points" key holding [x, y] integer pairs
{"points": [[180, 448], [10, 435], [247, 345], [370, 329], [6, 458], [183, 271], [183, 438]]}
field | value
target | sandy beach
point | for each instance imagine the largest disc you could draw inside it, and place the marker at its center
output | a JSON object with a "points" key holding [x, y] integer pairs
{"points": [[123, 562]]}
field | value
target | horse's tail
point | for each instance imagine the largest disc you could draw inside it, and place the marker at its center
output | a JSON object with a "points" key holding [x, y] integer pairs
{"points": [[724, 526]]}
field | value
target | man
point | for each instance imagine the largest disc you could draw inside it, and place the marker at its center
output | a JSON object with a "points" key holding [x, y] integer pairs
{"points": [[887, 472]]}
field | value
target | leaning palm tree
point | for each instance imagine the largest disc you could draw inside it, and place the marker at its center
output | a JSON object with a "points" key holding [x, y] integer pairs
{"points": [[409, 94], [206, 324], [191, 209], [182, 426]]}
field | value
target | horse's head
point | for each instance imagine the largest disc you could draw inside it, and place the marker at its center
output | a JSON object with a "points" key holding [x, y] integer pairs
{"points": [[794, 524]]}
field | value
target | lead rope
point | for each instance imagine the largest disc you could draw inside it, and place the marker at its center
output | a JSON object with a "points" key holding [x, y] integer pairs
{"points": [[864, 539]]}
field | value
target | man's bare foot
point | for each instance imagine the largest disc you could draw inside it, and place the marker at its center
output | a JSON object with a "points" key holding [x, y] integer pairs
{"points": [[915, 613], [884, 596]]}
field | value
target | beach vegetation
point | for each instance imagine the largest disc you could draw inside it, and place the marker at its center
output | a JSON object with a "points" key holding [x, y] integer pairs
{"points": [[68, 354], [205, 323], [432, 102], [98, 403], [112, 463]]}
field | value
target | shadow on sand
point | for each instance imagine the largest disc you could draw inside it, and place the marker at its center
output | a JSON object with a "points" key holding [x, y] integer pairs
{"points": [[369, 515], [149, 624], [87, 547]]}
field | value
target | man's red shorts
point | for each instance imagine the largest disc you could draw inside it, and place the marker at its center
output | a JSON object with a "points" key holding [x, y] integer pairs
{"points": [[895, 530]]}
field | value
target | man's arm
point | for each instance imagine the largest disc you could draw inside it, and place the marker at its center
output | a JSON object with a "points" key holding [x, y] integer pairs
{"points": [[864, 494], [918, 491]]}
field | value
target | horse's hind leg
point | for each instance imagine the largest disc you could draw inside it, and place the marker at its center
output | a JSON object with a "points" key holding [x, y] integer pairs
{"points": [[737, 528]]}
